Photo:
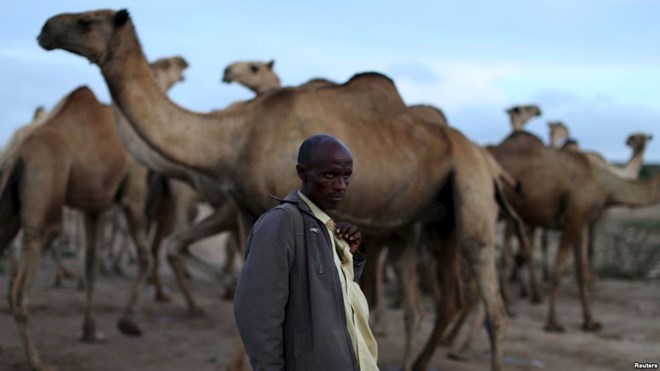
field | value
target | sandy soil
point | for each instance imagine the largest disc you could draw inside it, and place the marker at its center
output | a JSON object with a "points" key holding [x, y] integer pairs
{"points": [[629, 311]]}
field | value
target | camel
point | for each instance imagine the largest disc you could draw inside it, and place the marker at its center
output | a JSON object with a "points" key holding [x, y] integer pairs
{"points": [[74, 158], [431, 177], [565, 190], [558, 131], [521, 114], [637, 142], [244, 74], [254, 75], [7, 157]]}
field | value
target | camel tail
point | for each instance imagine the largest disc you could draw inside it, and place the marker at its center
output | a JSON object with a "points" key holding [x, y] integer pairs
{"points": [[513, 216], [10, 203], [157, 188]]}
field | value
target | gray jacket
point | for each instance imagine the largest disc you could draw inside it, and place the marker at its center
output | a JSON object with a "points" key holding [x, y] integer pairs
{"points": [[289, 306]]}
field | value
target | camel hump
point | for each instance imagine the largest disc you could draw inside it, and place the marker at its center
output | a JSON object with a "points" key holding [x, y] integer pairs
{"points": [[371, 78]]}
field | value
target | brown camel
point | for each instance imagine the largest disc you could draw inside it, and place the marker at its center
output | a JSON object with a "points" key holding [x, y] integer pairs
{"points": [[558, 131], [637, 142], [521, 114], [564, 190], [74, 158], [409, 170]]}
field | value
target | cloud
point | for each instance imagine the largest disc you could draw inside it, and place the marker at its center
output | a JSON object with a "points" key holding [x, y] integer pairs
{"points": [[454, 85]]}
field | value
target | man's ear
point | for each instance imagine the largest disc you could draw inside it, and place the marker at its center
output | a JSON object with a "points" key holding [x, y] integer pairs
{"points": [[302, 172]]}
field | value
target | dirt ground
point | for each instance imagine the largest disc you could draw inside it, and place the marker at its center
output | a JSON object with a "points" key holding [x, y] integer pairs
{"points": [[629, 311]]}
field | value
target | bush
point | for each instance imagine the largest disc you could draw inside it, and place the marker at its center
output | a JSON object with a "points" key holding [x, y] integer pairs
{"points": [[630, 250]]}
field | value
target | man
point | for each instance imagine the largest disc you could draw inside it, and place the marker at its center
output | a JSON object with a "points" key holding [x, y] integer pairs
{"points": [[297, 306]]}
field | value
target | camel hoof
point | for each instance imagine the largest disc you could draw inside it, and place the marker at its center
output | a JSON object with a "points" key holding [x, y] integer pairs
{"points": [[196, 312], [458, 357], [162, 297], [229, 293], [119, 271], [537, 299], [93, 338], [41, 367], [128, 327], [592, 326], [552, 327], [58, 283]]}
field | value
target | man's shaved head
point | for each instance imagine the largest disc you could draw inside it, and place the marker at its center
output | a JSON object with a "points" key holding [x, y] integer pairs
{"points": [[312, 147], [325, 166]]}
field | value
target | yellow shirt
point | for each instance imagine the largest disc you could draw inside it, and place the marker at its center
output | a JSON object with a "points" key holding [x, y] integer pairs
{"points": [[355, 304]]}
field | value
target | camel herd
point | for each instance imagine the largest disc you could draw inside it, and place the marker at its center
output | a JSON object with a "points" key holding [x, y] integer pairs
{"points": [[421, 188]]}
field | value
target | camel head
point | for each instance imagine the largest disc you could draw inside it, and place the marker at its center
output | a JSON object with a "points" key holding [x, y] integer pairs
{"points": [[519, 115], [39, 113], [168, 71], [638, 142], [255, 75], [89, 34], [558, 131]]}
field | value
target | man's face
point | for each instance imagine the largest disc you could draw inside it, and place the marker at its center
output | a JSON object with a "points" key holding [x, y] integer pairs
{"points": [[327, 175]]}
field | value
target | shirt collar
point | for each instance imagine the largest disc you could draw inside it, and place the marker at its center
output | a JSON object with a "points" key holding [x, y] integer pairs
{"points": [[318, 213]]}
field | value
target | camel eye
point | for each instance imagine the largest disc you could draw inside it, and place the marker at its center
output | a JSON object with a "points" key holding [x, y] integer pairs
{"points": [[85, 22], [254, 68]]}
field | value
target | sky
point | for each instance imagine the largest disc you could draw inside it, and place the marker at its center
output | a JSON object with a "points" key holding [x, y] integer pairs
{"points": [[595, 65]]}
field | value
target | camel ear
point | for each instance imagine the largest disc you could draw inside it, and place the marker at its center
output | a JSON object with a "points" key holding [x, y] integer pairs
{"points": [[121, 17], [271, 64], [649, 137]]}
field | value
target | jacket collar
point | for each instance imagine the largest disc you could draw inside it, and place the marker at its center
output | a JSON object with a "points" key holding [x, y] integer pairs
{"points": [[293, 198]]}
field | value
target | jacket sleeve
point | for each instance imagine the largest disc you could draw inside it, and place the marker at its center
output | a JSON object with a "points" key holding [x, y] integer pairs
{"points": [[263, 290]]}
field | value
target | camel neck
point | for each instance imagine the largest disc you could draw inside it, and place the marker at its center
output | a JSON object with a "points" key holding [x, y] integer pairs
{"points": [[199, 142], [634, 165], [632, 193]]}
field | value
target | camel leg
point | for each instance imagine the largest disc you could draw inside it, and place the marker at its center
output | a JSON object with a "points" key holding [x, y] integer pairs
{"points": [[92, 229], [164, 226], [481, 260], [545, 241], [33, 242], [448, 276], [371, 283], [569, 238], [591, 251], [531, 266], [61, 273], [137, 229], [408, 283], [229, 270], [177, 244], [583, 270], [507, 252], [116, 229]]}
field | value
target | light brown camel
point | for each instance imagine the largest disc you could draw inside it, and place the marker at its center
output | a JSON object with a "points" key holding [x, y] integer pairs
{"points": [[427, 178], [405, 265], [7, 157], [564, 190], [255, 75], [74, 158]]}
